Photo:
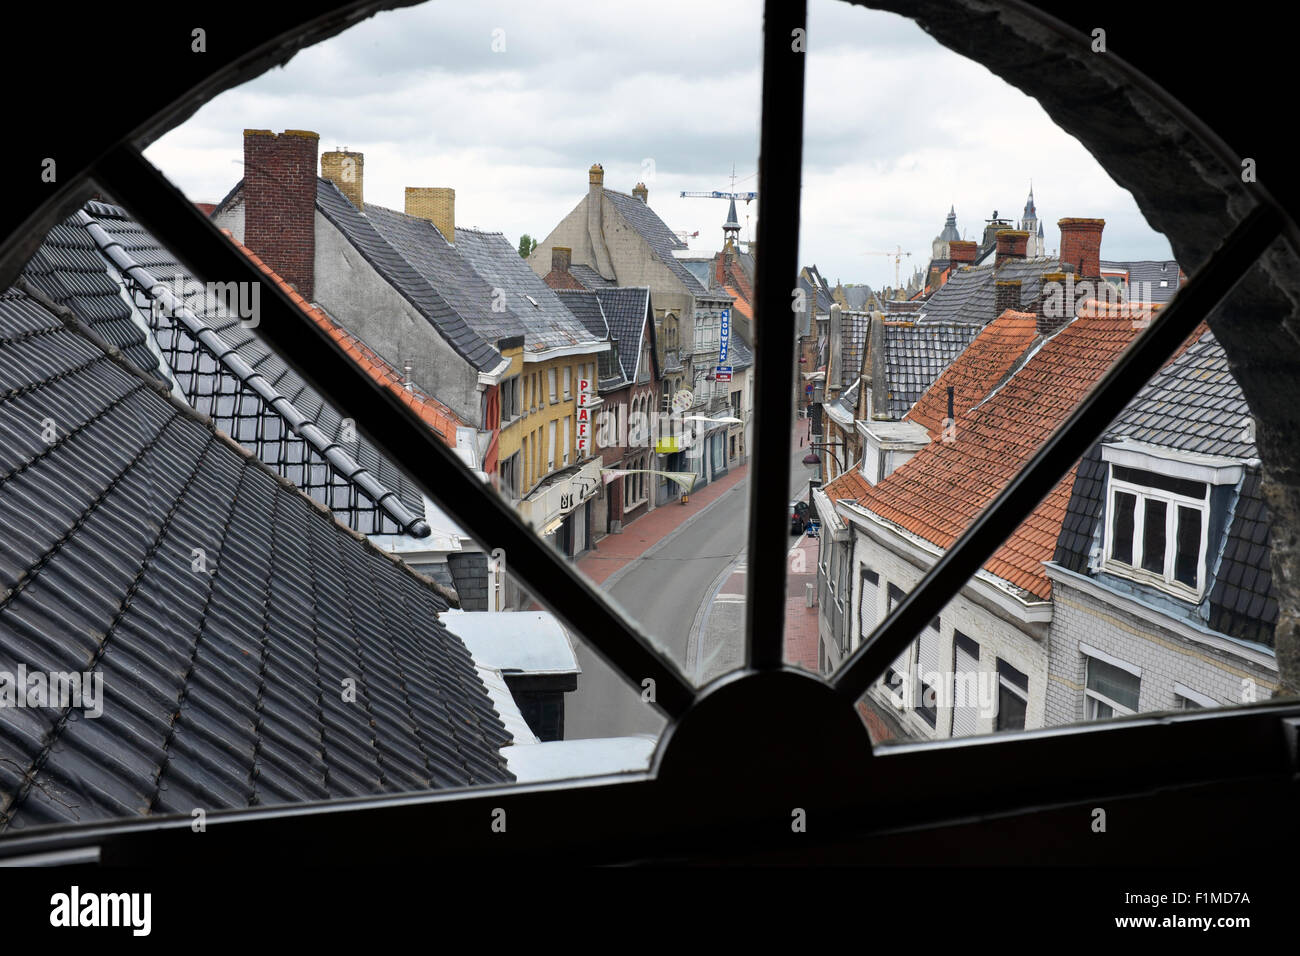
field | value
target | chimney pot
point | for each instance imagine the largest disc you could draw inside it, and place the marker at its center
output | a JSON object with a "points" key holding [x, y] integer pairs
{"points": [[437, 204], [596, 175], [641, 193]]}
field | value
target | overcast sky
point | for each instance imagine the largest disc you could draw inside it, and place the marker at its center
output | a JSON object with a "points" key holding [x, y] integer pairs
{"points": [[898, 128]]}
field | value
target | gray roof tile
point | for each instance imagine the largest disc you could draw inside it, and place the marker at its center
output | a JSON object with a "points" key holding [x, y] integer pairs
{"points": [[222, 687], [916, 355], [657, 235], [968, 295]]}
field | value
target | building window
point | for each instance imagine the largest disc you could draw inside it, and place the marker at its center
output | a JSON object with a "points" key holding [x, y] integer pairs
{"points": [[1013, 697], [927, 666], [895, 675], [510, 400], [1156, 532], [1110, 689], [550, 377], [510, 475], [565, 443], [550, 453], [568, 381], [868, 605], [966, 685]]}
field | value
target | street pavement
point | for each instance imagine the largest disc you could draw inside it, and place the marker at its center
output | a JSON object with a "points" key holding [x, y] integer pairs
{"points": [[678, 572]]}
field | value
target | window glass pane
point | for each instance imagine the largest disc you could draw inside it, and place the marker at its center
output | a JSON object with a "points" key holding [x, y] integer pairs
{"points": [[1122, 527], [1114, 682], [1153, 536], [1011, 710], [1188, 559]]}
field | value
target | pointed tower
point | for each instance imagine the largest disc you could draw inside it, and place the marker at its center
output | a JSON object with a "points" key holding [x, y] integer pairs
{"points": [[1029, 223], [731, 229], [939, 248]]}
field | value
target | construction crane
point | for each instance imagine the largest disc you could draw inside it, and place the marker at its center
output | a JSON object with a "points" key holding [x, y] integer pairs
{"points": [[683, 235], [898, 255], [719, 194]]}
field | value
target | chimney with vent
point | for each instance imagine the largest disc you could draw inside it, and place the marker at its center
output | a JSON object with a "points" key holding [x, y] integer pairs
{"points": [[961, 252], [1006, 295], [1011, 245], [1081, 246], [344, 169], [436, 204], [280, 202], [641, 193]]}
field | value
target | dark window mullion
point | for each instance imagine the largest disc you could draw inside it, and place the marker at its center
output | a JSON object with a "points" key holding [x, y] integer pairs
{"points": [[394, 429], [1134, 368], [779, 174]]}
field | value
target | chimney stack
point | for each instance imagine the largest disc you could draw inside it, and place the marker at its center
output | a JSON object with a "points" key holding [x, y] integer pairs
{"points": [[561, 258], [641, 193], [280, 203], [344, 169], [1055, 303], [437, 204], [961, 252], [595, 178], [1081, 246], [1011, 245], [1006, 295]]}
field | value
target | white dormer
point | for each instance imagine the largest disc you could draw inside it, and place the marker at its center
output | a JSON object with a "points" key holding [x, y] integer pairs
{"points": [[888, 445]]}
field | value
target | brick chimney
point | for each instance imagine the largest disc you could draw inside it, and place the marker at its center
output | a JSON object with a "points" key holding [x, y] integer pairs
{"points": [[961, 252], [1006, 295], [280, 202], [641, 193], [561, 258], [1081, 246], [1011, 245], [1056, 305], [436, 204], [344, 169]]}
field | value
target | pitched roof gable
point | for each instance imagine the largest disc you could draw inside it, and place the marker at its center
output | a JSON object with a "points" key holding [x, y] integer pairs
{"points": [[661, 240]]}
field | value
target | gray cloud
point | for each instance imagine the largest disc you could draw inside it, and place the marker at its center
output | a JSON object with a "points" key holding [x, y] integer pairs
{"points": [[897, 128]]}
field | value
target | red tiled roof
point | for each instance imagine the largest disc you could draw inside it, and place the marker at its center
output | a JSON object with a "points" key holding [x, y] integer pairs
{"points": [[432, 412], [741, 304], [981, 365], [732, 277], [207, 208], [938, 493]]}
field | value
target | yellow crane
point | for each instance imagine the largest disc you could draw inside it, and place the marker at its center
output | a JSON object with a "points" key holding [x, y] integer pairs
{"points": [[898, 255]]}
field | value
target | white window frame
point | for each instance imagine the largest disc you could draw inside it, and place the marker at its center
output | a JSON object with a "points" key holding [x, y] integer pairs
{"points": [[1172, 502], [550, 459], [568, 381], [565, 446], [1091, 697], [550, 378]]}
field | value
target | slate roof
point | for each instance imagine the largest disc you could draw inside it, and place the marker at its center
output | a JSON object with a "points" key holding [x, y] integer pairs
{"points": [[968, 296], [854, 327], [1150, 273], [741, 353], [626, 309], [586, 307], [545, 322], [1195, 405], [229, 374], [589, 277], [661, 240], [986, 361], [439, 417], [939, 491], [916, 355], [469, 332], [220, 687], [857, 296]]}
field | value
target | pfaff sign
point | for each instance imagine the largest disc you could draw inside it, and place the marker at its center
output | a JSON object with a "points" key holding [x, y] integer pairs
{"points": [[583, 436], [724, 335]]}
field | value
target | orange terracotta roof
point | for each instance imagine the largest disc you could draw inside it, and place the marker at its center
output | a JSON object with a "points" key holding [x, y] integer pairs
{"points": [[740, 304], [207, 208], [558, 279], [432, 412], [938, 493], [981, 365]]}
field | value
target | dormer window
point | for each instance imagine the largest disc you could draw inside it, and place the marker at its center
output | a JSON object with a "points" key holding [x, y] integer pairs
{"points": [[1156, 530]]}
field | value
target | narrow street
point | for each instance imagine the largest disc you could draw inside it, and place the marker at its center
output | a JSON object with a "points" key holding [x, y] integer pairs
{"points": [[671, 589]]}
